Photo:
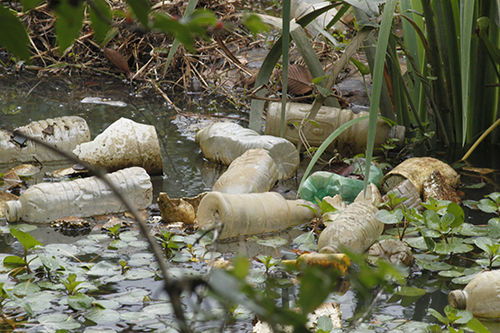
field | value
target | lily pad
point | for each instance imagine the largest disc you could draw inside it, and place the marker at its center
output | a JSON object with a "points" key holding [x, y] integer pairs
{"points": [[450, 274], [272, 242], [40, 301], [139, 273], [159, 309], [137, 317], [59, 321], [100, 316], [139, 244], [131, 297], [434, 265], [443, 248], [25, 288], [80, 301], [104, 268], [416, 242], [67, 250], [108, 304]]}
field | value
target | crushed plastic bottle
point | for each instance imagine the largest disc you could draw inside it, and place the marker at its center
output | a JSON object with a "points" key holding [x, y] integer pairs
{"points": [[224, 142], [251, 213], [355, 228], [322, 183], [64, 133], [124, 144], [352, 141], [47, 202], [252, 172], [481, 296]]}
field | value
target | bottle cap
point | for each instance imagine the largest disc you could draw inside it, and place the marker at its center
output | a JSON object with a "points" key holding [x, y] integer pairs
{"points": [[11, 210], [457, 299]]}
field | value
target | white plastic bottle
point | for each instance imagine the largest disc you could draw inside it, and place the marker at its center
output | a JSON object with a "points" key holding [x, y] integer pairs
{"points": [[355, 228], [64, 133], [251, 213], [481, 296], [252, 172], [47, 202], [124, 144], [224, 142], [353, 140]]}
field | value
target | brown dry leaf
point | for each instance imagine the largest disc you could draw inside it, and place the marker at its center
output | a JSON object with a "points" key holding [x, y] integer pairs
{"points": [[12, 180], [482, 171], [117, 59], [143, 214], [299, 80]]}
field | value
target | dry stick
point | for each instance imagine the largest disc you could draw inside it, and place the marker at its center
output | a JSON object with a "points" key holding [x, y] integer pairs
{"points": [[481, 138], [350, 50], [164, 95], [172, 287]]}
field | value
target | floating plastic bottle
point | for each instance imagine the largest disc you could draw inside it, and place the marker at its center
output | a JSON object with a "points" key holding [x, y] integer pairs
{"points": [[338, 260], [64, 133], [251, 213], [481, 296], [47, 202], [355, 228], [252, 172], [224, 142], [124, 144], [322, 183], [352, 141]]}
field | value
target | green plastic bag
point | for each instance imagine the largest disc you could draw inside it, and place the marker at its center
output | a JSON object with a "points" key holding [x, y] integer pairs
{"points": [[322, 183]]}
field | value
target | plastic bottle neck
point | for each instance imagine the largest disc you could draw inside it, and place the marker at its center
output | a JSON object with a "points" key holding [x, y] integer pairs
{"points": [[458, 299], [12, 211]]}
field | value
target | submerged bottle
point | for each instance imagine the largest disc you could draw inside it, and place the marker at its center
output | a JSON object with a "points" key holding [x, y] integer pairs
{"points": [[64, 133], [355, 228], [481, 296], [352, 141], [251, 213], [224, 142], [47, 202], [252, 172]]}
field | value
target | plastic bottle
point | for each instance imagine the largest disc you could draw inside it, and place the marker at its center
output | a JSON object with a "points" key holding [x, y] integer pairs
{"points": [[252, 172], [351, 141], [338, 260], [356, 228], [322, 183], [64, 133], [481, 296], [47, 202], [417, 169], [251, 213], [124, 144], [224, 142]]}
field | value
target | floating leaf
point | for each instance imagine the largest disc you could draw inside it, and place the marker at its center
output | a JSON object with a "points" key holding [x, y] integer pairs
{"points": [[410, 291], [477, 326], [27, 241], [305, 238], [59, 321], [450, 274], [101, 316], [468, 229], [103, 268], [80, 301], [25, 288], [139, 274], [494, 227], [443, 248], [68, 250], [487, 206], [14, 261], [434, 265], [134, 296], [272, 242], [137, 317], [159, 309]]}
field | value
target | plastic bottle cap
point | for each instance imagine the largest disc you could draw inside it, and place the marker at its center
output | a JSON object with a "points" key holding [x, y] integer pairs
{"points": [[457, 299], [11, 209]]}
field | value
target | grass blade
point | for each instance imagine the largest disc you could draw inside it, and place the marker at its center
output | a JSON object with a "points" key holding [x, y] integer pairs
{"points": [[466, 22], [285, 47]]}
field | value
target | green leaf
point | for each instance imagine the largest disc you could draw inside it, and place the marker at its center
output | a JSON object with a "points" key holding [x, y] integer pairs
{"points": [[241, 267], [494, 227], [317, 80], [326, 207], [254, 23], [30, 4], [101, 316], [478, 327], [443, 248], [410, 291], [141, 9], [487, 206], [100, 16], [80, 301], [13, 35], [305, 238], [362, 68], [439, 316], [14, 261], [27, 241], [324, 323], [69, 22], [484, 244], [324, 91], [458, 213], [388, 217]]}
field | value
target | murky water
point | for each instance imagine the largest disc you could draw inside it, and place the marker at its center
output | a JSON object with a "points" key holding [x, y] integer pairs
{"points": [[33, 98]]}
